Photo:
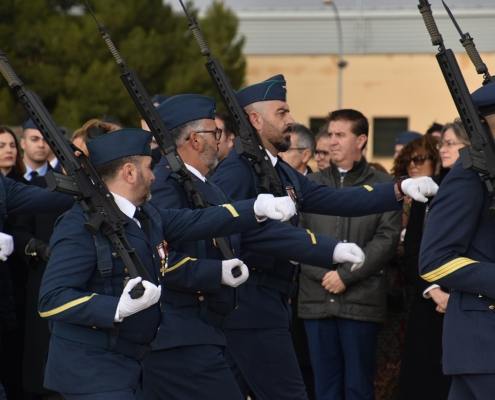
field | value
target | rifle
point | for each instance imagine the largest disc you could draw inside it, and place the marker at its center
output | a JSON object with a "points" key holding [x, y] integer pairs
{"points": [[481, 157], [81, 181], [162, 135], [248, 143]]}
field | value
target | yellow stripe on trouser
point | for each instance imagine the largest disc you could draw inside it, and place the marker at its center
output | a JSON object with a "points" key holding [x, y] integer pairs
{"points": [[182, 262], [313, 238], [231, 208], [447, 269], [71, 304], [368, 188]]}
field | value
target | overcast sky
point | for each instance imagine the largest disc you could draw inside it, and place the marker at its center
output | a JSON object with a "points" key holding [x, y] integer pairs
{"points": [[342, 4]]}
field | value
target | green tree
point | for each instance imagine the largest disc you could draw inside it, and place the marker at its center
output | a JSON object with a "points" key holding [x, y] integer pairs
{"points": [[55, 48]]}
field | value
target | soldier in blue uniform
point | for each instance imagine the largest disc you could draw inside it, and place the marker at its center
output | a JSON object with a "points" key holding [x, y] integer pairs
{"points": [[187, 360], [99, 334], [457, 251], [259, 346]]}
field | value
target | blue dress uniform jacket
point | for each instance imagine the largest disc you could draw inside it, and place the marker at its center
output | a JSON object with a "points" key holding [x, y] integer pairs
{"points": [[458, 252], [261, 307], [73, 293], [17, 198]]}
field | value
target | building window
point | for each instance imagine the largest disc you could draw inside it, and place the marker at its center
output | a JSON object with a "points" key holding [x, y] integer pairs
{"points": [[385, 131], [315, 124]]}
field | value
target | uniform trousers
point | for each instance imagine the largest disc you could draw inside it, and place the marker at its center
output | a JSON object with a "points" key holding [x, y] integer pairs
{"points": [[343, 353], [188, 372], [472, 387], [124, 394], [264, 361]]}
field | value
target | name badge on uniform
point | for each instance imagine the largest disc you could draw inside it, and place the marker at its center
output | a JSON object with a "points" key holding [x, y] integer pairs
{"points": [[163, 253]]}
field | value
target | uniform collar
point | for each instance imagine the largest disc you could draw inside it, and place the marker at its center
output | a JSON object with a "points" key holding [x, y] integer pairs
{"points": [[195, 172], [41, 171], [125, 205], [273, 159]]}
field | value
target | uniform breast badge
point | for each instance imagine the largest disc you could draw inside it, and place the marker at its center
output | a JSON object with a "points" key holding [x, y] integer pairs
{"points": [[291, 192], [163, 253]]}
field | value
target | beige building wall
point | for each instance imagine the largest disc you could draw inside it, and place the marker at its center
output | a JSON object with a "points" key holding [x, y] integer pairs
{"points": [[386, 86]]}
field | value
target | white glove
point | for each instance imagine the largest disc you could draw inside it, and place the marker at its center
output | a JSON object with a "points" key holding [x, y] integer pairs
{"points": [[128, 306], [280, 208], [6, 246], [349, 252], [228, 278], [419, 188]]}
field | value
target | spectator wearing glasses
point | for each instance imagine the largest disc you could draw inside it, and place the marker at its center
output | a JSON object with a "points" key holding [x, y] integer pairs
{"points": [[418, 157], [322, 152], [301, 149], [421, 374], [404, 138]]}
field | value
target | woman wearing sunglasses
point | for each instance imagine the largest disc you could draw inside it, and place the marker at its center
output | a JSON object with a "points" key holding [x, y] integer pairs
{"points": [[421, 374]]}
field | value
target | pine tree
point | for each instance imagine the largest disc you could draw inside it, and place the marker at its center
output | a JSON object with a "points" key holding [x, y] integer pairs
{"points": [[56, 49]]}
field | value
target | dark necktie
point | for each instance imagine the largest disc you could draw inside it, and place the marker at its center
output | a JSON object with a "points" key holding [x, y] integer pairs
{"points": [[143, 220], [33, 174]]}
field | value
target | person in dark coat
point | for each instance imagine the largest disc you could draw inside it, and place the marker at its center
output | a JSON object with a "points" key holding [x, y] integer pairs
{"points": [[11, 311], [421, 375]]}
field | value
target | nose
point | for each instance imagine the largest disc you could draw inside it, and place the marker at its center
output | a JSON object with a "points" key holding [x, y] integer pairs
{"points": [[290, 121]]}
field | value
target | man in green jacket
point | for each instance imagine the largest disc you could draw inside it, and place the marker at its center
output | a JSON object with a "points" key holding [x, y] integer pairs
{"points": [[343, 311]]}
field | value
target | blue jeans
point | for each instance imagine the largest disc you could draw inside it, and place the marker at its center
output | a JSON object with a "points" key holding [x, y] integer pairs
{"points": [[343, 353]]}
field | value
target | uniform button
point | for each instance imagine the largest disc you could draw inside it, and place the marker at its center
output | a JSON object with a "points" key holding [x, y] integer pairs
{"points": [[236, 307], [126, 271], [332, 301], [94, 327], [201, 298], [491, 307], [199, 291], [480, 295], [158, 329], [158, 280]]}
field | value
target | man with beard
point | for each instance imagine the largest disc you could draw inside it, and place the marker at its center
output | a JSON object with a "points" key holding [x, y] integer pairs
{"points": [[100, 334], [259, 346], [198, 291]]}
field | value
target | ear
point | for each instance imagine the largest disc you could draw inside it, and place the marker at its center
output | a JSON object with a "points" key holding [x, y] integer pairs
{"points": [[255, 119], [129, 173], [306, 155], [23, 143], [194, 141], [361, 140]]}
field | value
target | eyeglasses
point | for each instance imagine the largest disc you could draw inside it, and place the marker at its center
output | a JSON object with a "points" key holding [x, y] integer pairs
{"points": [[322, 153], [418, 160], [217, 132], [448, 143]]}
